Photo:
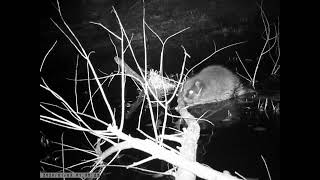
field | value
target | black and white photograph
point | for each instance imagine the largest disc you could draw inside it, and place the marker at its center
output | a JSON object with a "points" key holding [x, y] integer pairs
{"points": [[160, 89]]}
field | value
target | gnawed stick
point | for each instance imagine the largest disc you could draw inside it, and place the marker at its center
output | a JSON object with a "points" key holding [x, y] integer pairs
{"points": [[128, 70]]}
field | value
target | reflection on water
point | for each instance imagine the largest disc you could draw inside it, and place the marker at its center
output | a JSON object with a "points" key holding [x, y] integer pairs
{"points": [[242, 133]]}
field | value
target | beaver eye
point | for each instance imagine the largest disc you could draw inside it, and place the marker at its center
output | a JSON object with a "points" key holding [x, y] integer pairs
{"points": [[191, 92]]}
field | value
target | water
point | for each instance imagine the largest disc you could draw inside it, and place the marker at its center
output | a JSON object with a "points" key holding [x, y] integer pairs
{"points": [[239, 144]]}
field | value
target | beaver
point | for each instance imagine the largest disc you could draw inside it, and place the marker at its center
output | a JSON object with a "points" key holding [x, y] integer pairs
{"points": [[212, 84]]}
